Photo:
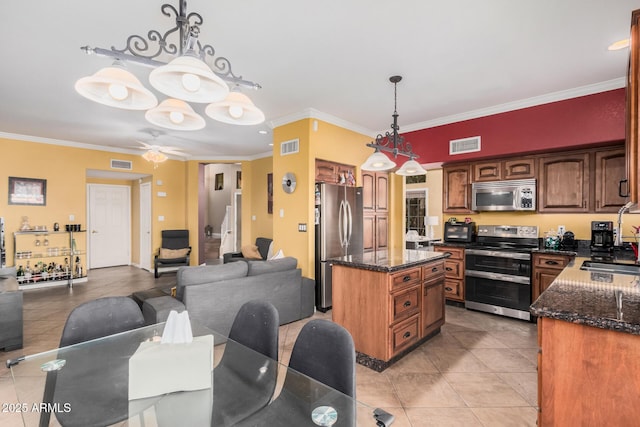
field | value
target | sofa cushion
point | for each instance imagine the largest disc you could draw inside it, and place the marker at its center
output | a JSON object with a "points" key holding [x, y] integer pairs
{"points": [[263, 267], [208, 274]]}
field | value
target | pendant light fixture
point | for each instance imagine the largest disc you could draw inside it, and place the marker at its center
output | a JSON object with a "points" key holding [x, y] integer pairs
{"points": [[392, 142], [186, 77], [236, 109], [175, 114], [116, 87]]}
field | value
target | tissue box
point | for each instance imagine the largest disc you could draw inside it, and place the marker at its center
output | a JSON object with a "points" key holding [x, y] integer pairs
{"points": [[156, 369]]}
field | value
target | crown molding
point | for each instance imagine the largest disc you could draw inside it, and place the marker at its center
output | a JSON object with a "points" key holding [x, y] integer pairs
{"points": [[523, 103], [312, 113]]}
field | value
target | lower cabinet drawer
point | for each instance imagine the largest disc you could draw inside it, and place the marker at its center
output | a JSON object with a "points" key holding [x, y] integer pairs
{"points": [[406, 303], [404, 334], [454, 289]]}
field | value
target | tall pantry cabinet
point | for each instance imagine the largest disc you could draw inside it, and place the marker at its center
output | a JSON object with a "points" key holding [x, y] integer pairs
{"points": [[375, 204]]}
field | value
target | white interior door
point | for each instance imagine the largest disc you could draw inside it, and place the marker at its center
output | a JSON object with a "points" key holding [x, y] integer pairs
{"points": [[109, 225], [145, 226]]}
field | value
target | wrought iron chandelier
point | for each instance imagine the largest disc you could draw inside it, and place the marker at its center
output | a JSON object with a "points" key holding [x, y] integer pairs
{"points": [[394, 143], [186, 77]]}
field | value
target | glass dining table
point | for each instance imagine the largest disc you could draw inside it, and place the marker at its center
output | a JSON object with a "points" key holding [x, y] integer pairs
{"points": [[91, 383]]}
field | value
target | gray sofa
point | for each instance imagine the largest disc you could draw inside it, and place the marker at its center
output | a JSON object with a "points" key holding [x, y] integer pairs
{"points": [[213, 294], [10, 310]]}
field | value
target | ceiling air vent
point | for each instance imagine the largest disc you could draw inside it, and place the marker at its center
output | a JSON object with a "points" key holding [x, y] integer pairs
{"points": [[290, 147], [464, 145], [121, 164]]}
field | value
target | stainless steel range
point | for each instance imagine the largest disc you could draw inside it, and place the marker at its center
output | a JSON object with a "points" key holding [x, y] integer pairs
{"points": [[498, 270]]}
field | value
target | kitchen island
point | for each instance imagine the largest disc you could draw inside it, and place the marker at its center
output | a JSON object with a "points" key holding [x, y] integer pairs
{"points": [[390, 302], [589, 358]]}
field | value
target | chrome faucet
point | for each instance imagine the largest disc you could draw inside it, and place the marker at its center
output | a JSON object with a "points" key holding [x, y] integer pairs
{"points": [[622, 210]]}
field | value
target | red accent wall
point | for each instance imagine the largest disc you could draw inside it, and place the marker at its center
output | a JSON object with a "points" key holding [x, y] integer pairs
{"points": [[586, 120]]}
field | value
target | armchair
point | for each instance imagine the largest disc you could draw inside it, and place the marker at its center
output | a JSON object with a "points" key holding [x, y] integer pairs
{"points": [[263, 244], [173, 253]]}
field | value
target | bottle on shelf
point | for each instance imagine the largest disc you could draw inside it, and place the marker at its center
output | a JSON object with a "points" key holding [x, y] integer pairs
{"points": [[27, 273], [78, 267], [67, 268], [20, 274]]}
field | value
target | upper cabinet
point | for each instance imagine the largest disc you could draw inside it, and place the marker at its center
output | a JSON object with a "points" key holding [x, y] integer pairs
{"points": [[456, 191], [633, 129], [504, 170], [335, 173], [610, 170], [375, 203], [563, 183], [577, 181]]}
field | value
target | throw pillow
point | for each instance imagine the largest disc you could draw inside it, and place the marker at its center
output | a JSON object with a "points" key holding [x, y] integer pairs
{"points": [[277, 255], [173, 253], [251, 252]]}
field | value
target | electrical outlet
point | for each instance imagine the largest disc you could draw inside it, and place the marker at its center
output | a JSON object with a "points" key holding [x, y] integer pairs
{"points": [[560, 230]]}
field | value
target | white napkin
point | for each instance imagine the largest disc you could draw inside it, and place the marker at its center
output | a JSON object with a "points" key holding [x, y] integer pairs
{"points": [[177, 329]]}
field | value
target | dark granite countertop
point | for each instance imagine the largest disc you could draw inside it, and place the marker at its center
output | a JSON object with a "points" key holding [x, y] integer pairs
{"points": [[589, 298], [388, 261]]}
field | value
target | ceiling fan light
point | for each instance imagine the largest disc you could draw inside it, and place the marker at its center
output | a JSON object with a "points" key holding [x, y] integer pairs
{"points": [[189, 79], [116, 87], [411, 168], [168, 113], [154, 156], [378, 162], [235, 109]]}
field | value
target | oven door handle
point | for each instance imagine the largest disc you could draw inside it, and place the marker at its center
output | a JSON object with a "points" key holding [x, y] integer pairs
{"points": [[499, 254], [497, 276]]}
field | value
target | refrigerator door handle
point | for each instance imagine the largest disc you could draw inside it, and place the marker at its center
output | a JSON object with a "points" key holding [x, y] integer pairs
{"points": [[349, 224], [341, 230]]}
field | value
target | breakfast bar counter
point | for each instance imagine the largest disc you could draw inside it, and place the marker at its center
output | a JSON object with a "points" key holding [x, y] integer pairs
{"points": [[390, 302], [588, 334]]}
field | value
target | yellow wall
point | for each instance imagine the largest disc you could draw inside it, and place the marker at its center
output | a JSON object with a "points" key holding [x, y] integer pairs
{"points": [[65, 170], [254, 200]]}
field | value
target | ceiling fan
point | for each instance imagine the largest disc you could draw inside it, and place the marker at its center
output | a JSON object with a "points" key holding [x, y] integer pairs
{"points": [[158, 153]]}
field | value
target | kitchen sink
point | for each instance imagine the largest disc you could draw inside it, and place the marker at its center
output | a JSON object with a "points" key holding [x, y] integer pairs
{"points": [[611, 267]]}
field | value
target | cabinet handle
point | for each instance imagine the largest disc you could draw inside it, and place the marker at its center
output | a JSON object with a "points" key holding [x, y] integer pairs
{"points": [[434, 269], [406, 278], [407, 304], [448, 289], [406, 335], [626, 193], [551, 262], [448, 268]]}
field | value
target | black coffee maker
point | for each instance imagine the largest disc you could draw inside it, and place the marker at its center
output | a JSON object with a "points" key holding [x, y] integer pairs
{"points": [[602, 238]]}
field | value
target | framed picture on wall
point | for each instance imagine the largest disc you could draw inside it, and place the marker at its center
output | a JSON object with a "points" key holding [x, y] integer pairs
{"points": [[238, 180], [27, 191], [270, 193], [219, 183]]}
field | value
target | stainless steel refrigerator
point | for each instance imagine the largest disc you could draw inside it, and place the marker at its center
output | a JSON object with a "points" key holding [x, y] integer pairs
{"points": [[338, 226]]}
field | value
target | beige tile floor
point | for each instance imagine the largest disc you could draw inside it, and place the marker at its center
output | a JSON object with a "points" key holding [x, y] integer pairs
{"points": [[479, 371]]}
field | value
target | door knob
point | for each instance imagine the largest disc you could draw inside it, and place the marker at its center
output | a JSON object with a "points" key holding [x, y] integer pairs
{"points": [[93, 231]]}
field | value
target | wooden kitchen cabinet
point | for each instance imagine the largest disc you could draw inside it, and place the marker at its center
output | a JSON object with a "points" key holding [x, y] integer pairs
{"points": [[610, 169], [504, 170], [563, 183], [632, 145], [546, 267], [433, 301], [456, 191], [375, 201], [454, 272], [334, 173]]}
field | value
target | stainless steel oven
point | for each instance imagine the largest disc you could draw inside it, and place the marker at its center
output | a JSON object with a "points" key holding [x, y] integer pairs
{"points": [[498, 270]]}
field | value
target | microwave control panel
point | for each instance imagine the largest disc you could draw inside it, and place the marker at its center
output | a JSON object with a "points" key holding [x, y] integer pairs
{"points": [[527, 198]]}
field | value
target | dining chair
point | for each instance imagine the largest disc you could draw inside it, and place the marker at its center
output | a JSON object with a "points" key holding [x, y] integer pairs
{"points": [[244, 380], [325, 352], [173, 253], [91, 320]]}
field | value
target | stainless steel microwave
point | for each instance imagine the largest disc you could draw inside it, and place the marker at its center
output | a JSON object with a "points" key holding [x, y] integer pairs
{"points": [[516, 195]]}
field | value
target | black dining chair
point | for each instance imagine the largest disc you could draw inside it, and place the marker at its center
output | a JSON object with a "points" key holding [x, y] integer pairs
{"points": [[244, 380], [174, 251], [91, 320], [325, 352]]}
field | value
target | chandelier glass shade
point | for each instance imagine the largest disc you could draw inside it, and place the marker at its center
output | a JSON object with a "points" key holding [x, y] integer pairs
{"points": [[392, 142], [236, 109], [186, 77], [116, 87], [189, 79], [175, 114]]}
